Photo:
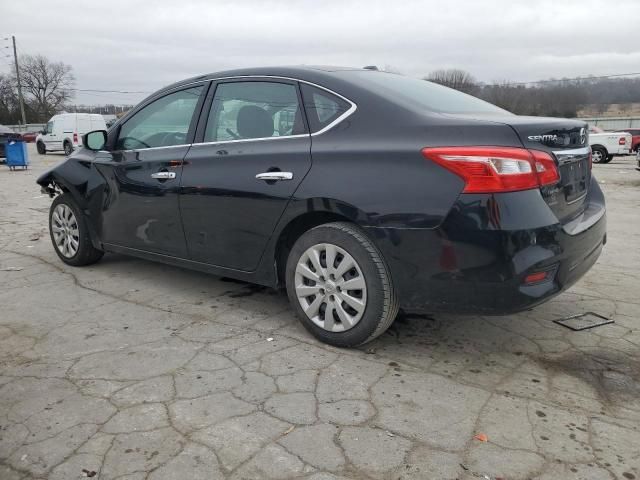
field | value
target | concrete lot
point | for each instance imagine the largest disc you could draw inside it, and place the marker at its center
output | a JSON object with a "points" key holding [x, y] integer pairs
{"points": [[136, 370]]}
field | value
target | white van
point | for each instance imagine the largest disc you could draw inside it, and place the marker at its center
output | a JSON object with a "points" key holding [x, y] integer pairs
{"points": [[64, 131]]}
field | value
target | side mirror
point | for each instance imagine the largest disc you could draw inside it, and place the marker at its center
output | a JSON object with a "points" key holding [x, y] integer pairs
{"points": [[43, 131], [95, 140]]}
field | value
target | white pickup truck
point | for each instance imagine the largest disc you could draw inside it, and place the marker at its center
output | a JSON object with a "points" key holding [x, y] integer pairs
{"points": [[606, 145]]}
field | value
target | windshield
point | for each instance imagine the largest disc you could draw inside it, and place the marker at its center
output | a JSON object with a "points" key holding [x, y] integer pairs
{"points": [[426, 95]]}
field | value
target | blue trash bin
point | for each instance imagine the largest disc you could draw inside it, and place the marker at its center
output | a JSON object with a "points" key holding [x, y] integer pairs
{"points": [[16, 152]]}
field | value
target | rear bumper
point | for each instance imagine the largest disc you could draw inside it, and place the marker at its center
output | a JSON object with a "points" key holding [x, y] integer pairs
{"points": [[477, 260]]}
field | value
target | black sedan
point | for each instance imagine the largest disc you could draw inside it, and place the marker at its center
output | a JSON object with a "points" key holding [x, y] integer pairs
{"points": [[361, 192]]}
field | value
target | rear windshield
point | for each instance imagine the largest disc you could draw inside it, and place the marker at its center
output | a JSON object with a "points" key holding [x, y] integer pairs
{"points": [[414, 92]]}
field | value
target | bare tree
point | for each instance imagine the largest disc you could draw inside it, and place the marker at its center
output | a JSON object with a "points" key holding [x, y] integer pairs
{"points": [[46, 85], [507, 96], [454, 78], [9, 112]]}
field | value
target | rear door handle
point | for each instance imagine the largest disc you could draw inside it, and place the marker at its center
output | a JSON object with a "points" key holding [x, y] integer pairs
{"points": [[275, 176], [163, 175]]}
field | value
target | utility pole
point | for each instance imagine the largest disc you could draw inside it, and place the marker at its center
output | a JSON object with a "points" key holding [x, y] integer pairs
{"points": [[20, 97]]}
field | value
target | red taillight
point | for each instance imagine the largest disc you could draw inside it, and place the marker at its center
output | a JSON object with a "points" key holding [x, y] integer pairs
{"points": [[496, 169], [75, 138], [622, 141], [536, 277], [545, 168]]}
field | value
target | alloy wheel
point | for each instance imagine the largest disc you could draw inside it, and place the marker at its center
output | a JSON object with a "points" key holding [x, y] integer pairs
{"points": [[596, 156], [66, 234], [330, 287]]}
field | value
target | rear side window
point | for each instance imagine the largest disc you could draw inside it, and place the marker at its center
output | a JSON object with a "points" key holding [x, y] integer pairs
{"points": [[248, 110], [322, 107]]}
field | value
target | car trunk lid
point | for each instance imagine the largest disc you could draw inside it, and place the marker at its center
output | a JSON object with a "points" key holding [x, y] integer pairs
{"points": [[567, 141]]}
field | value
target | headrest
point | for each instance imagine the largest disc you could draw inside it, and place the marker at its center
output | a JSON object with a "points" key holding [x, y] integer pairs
{"points": [[254, 122]]}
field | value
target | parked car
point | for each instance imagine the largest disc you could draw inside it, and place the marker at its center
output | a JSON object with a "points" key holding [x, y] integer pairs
{"points": [[361, 192], [30, 136], [6, 134], [64, 131], [606, 145], [635, 138]]}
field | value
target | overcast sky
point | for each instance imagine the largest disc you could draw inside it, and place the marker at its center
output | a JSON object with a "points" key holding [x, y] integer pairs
{"points": [[144, 45]]}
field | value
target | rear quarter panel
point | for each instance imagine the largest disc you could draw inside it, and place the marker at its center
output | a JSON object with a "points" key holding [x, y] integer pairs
{"points": [[373, 162]]}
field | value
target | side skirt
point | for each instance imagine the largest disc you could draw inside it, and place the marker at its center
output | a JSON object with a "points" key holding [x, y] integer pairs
{"points": [[251, 277]]}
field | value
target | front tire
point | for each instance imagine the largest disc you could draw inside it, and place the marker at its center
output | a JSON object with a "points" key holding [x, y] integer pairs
{"points": [[599, 155], [42, 150], [70, 234], [340, 286]]}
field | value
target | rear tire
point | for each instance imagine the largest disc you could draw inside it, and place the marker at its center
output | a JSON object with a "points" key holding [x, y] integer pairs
{"points": [[361, 301], [70, 234], [68, 148], [599, 155], [42, 150]]}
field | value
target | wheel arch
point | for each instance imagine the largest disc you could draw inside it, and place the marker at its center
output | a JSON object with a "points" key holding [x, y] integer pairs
{"points": [[599, 145], [293, 230], [305, 215]]}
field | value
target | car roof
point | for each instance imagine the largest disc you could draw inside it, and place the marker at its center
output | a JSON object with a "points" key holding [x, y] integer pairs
{"points": [[309, 73]]}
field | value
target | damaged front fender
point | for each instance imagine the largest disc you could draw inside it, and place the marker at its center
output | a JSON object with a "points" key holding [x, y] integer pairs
{"points": [[78, 177]]}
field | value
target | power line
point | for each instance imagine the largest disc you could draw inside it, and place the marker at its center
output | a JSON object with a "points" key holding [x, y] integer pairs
{"points": [[103, 91]]}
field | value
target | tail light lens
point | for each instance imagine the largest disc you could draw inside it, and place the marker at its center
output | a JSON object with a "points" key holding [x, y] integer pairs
{"points": [[622, 141], [496, 169], [536, 277], [75, 138]]}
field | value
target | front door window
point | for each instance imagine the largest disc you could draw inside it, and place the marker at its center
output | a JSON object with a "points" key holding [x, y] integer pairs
{"points": [[163, 123]]}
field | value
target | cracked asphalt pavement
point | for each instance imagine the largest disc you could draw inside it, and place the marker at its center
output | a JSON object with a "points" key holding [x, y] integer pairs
{"points": [[134, 370]]}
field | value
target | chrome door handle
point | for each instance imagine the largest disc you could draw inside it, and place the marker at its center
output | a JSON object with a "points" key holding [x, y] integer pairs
{"points": [[163, 175], [274, 176]]}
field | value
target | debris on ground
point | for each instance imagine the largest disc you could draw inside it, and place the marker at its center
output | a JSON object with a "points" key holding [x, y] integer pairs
{"points": [[34, 237], [583, 321], [89, 473], [481, 437], [289, 430], [479, 475], [270, 339], [11, 269]]}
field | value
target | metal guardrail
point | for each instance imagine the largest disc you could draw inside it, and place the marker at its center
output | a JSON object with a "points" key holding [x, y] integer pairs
{"points": [[29, 127], [613, 123]]}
